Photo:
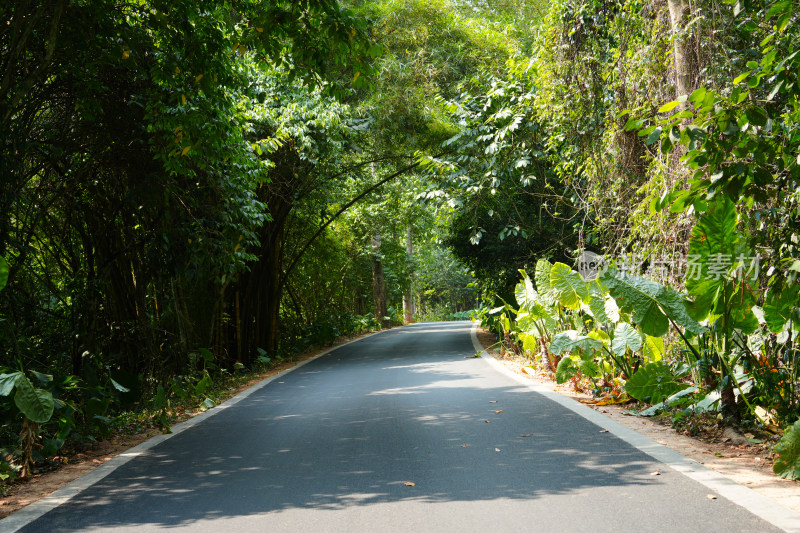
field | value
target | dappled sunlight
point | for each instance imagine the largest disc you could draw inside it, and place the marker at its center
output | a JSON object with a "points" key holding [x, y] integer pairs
{"points": [[435, 430], [474, 383]]}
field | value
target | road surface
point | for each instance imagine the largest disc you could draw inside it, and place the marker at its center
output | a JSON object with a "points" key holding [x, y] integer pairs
{"points": [[399, 431]]}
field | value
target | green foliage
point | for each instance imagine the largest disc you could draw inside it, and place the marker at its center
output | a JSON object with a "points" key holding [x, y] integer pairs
{"points": [[571, 341], [787, 454], [3, 272], [542, 277], [566, 369], [36, 404], [654, 383], [625, 338], [651, 305], [567, 286]]}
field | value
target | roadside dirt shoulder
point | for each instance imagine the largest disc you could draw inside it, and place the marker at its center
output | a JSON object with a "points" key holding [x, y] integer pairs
{"points": [[743, 463]]}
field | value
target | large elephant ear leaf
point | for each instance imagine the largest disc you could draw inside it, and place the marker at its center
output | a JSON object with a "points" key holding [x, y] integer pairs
{"points": [[779, 305], [566, 369], [787, 454], [3, 272], [525, 294], [571, 341], [654, 348], [7, 382], [542, 278], [625, 336], [653, 383], [603, 307], [36, 404], [649, 304], [568, 286], [713, 248]]}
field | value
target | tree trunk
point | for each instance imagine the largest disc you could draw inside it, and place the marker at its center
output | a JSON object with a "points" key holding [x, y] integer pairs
{"points": [[408, 297], [260, 290], [379, 283], [685, 64], [260, 295]]}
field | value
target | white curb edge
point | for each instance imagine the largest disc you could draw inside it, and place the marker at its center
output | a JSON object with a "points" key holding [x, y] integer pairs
{"points": [[19, 519], [759, 505]]}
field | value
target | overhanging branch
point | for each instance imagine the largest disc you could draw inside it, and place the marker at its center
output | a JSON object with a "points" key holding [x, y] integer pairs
{"points": [[344, 208]]}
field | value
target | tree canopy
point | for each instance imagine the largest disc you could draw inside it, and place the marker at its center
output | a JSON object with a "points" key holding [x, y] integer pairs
{"points": [[197, 188]]}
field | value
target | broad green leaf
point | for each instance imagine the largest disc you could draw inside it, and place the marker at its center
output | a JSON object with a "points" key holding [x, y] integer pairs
{"points": [[542, 278], [568, 286], [741, 77], [44, 379], [666, 144], [203, 385], [208, 403], [571, 341], [669, 106], [787, 454], [600, 336], [715, 249], [7, 382], [566, 369], [698, 96], [650, 304], [602, 305], [36, 404], [526, 295], [756, 115], [207, 355], [742, 316], [3, 272], [778, 306], [625, 336], [530, 342], [161, 399], [119, 387], [654, 348], [653, 137], [589, 368], [675, 398], [534, 321], [178, 390], [653, 383]]}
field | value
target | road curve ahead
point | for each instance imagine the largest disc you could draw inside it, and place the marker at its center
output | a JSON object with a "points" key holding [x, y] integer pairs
{"points": [[398, 431]]}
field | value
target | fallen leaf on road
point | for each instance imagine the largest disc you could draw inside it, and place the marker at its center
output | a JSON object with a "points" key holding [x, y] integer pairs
{"points": [[410, 484], [498, 412], [527, 435], [711, 497]]}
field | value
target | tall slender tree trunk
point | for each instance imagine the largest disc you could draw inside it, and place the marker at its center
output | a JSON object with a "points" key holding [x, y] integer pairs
{"points": [[378, 282], [685, 63], [408, 298]]}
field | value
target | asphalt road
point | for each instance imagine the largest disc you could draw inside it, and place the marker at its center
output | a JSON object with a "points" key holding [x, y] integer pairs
{"points": [[336, 444]]}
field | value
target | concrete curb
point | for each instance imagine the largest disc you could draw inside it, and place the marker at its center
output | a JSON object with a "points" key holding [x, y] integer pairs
{"points": [[757, 504]]}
